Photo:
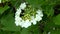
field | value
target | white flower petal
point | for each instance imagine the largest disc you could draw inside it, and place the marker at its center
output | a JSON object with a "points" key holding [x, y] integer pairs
{"points": [[17, 23], [18, 12], [23, 5], [49, 32], [21, 23], [38, 18], [26, 24], [34, 22], [39, 12], [18, 18]]}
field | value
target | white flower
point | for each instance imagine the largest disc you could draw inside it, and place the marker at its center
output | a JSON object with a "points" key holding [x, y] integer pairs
{"points": [[53, 28], [33, 20], [18, 11], [17, 20], [40, 13], [0, 1], [38, 18], [26, 23], [23, 5], [49, 32]]}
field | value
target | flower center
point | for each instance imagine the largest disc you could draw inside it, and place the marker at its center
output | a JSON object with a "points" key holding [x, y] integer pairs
{"points": [[28, 12]]}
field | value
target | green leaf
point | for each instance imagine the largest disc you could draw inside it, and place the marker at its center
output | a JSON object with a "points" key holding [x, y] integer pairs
{"points": [[56, 20], [55, 32], [5, 0], [34, 3], [8, 22], [34, 29], [2, 9], [25, 31], [49, 11], [16, 3], [49, 26]]}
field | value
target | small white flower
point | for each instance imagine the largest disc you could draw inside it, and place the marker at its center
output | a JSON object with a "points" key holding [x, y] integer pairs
{"points": [[23, 5], [26, 23], [53, 28], [0, 1], [49, 32], [38, 18], [17, 20], [18, 11], [40, 13], [33, 20], [17, 23]]}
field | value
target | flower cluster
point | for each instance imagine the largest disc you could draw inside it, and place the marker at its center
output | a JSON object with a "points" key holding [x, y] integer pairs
{"points": [[26, 23]]}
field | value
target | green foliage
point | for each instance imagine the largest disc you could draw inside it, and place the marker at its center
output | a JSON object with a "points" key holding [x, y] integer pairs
{"points": [[8, 26], [16, 3], [2, 9], [25, 31], [55, 32], [8, 22], [57, 20]]}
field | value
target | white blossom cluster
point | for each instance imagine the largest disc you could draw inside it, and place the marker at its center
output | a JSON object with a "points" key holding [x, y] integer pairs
{"points": [[26, 23], [0, 1]]}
